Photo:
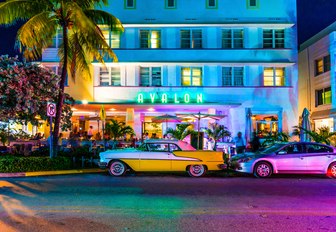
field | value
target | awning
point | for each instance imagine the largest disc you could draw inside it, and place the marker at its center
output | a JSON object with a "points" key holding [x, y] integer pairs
{"points": [[323, 114]]}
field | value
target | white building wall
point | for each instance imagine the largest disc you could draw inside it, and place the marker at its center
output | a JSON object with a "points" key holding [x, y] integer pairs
{"points": [[317, 47], [275, 14]]}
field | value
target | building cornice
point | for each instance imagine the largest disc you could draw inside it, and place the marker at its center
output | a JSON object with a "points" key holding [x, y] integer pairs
{"points": [[229, 24]]}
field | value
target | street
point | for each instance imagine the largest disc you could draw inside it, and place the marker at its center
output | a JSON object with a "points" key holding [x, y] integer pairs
{"points": [[167, 202]]}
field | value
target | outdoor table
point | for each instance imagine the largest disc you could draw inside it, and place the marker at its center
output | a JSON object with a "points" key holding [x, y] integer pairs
{"points": [[24, 146], [25, 142]]}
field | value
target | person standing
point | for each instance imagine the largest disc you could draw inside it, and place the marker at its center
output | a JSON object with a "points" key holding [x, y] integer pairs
{"points": [[90, 132], [255, 143], [240, 143]]}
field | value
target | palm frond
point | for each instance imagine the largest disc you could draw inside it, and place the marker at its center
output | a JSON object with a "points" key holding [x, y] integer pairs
{"points": [[93, 38], [323, 136], [104, 18], [13, 11], [79, 60], [117, 129], [36, 34], [181, 131]]}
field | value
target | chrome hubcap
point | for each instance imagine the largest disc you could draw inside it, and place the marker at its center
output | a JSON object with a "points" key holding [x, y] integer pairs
{"points": [[117, 168], [263, 170], [197, 169]]}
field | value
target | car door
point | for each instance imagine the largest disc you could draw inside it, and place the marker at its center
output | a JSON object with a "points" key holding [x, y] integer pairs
{"points": [[290, 159], [156, 158], [318, 157]]}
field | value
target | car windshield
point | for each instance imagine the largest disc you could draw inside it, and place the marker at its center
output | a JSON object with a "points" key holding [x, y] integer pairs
{"points": [[143, 147], [272, 148]]}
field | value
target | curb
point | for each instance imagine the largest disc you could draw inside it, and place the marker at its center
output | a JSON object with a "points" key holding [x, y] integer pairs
{"points": [[52, 173]]}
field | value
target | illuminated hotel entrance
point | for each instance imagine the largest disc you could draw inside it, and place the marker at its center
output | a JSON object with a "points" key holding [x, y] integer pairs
{"points": [[140, 116]]}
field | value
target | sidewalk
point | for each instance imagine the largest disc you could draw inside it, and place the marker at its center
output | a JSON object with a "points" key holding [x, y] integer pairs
{"points": [[52, 173]]}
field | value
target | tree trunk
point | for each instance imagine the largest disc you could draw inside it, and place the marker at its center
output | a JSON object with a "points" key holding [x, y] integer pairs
{"points": [[60, 101]]}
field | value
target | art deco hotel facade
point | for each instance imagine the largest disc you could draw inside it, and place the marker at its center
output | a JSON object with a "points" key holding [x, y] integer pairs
{"points": [[233, 58]]}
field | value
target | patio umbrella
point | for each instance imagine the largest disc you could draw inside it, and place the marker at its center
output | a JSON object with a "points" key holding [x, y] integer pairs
{"points": [[248, 125], [305, 124], [200, 116], [166, 118]]}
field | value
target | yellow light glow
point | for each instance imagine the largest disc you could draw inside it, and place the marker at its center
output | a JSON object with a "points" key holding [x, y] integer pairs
{"points": [[151, 109], [84, 102], [112, 109]]}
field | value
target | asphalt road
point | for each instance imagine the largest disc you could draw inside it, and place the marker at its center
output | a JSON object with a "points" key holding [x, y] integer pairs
{"points": [[98, 202]]}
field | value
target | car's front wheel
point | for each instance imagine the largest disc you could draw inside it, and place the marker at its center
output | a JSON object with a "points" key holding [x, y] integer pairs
{"points": [[263, 169], [196, 170], [117, 168], [332, 170]]}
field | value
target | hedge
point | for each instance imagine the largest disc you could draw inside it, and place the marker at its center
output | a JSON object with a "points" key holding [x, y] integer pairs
{"points": [[29, 164]]}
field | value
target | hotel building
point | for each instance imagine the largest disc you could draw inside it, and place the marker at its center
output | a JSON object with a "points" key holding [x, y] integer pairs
{"points": [[317, 78], [233, 58]]}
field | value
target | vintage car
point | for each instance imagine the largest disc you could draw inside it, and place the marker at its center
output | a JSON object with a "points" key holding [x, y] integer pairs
{"points": [[289, 158], [161, 155]]}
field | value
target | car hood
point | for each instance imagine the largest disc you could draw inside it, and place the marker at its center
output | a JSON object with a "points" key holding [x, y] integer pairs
{"points": [[250, 155]]}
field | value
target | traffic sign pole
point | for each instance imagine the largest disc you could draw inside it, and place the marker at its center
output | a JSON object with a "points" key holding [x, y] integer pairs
{"points": [[51, 112], [51, 139]]}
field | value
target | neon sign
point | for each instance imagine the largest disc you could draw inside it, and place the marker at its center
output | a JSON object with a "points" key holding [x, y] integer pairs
{"points": [[165, 98]]}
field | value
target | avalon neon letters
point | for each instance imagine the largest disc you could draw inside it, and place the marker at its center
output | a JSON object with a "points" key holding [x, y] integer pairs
{"points": [[164, 98]]}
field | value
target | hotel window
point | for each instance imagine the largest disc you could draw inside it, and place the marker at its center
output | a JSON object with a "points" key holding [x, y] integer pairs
{"points": [[252, 4], [274, 76], [58, 71], [274, 38], [191, 38], [191, 76], [322, 65], [232, 76], [170, 4], [112, 38], [150, 76], [109, 76], [323, 96], [57, 40], [211, 4], [130, 4], [150, 39], [232, 38]]}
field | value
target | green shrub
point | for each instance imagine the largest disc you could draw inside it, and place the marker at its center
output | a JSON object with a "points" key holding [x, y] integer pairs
{"points": [[29, 164]]}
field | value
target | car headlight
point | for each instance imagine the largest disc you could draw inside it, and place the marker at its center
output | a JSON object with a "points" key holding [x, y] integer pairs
{"points": [[244, 160]]}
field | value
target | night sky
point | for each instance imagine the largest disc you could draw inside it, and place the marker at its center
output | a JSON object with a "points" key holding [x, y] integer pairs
{"points": [[313, 16]]}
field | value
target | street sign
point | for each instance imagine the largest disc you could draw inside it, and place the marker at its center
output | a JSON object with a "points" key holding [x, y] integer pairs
{"points": [[51, 109]]}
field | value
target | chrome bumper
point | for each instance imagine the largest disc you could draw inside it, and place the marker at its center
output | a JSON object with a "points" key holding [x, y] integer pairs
{"points": [[102, 165], [244, 167], [222, 166]]}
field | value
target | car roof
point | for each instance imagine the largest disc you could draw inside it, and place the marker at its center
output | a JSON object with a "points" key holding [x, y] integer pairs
{"points": [[182, 144], [306, 143]]}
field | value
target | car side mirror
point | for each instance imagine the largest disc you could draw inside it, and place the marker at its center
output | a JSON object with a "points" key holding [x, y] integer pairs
{"points": [[282, 152]]}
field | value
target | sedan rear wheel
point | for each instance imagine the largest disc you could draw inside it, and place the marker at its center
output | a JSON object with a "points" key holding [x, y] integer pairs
{"points": [[196, 170], [117, 168], [262, 170], [332, 170]]}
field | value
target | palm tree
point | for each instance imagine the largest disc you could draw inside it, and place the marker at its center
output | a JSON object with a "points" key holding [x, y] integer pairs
{"points": [[181, 131], [217, 131], [77, 21], [274, 137], [118, 129], [322, 136]]}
